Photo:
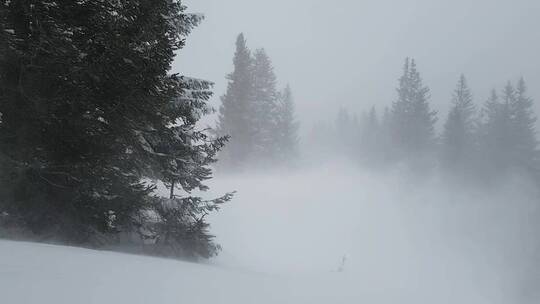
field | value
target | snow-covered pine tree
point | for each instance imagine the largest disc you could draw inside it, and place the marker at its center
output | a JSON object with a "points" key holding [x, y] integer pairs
{"points": [[287, 127], [413, 120], [235, 113], [68, 120], [265, 109], [184, 153], [84, 95], [457, 146]]}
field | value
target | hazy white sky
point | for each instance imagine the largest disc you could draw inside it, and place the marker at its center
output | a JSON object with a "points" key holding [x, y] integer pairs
{"points": [[350, 52]]}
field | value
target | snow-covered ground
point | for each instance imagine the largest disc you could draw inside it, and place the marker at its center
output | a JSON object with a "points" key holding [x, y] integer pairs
{"points": [[284, 237], [37, 273]]}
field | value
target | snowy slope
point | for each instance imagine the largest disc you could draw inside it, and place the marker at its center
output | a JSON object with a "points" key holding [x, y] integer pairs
{"points": [[284, 238], [38, 273], [48, 274]]}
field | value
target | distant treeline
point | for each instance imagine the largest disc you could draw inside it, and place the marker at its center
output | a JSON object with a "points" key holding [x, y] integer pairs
{"points": [[477, 141]]}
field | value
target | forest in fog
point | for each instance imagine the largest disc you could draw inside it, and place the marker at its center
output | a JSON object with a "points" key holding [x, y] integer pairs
{"points": [[321, 175], [480, 141]]}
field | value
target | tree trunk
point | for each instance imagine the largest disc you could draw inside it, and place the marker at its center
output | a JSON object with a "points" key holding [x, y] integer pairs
{"points": [[172, 191]]}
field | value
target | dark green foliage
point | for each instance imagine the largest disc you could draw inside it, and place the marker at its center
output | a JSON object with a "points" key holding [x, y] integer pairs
{"points": [[89, 110], [178, 226]]}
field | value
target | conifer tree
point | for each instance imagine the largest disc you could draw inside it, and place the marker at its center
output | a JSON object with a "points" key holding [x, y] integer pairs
{"points": [[89, 111], [287, 127], [184, 154], [458, 134], [523, 125], [258, 118], [508, 137], [236, 112], [505, 130], [494, 133], [264, 110], [412, 119]]}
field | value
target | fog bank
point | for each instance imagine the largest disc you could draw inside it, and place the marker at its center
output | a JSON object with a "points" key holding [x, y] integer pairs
{"points": [[406, 240]]}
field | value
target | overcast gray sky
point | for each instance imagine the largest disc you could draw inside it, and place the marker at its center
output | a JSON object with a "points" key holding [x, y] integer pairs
{"points": [[350, 52]]}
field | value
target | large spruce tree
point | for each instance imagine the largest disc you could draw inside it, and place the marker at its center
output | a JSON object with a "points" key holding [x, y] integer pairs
{"points": [[89, 110]]}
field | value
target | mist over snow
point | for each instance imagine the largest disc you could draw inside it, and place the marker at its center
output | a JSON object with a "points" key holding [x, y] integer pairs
{"points": [[403, 243], [428, 244]]}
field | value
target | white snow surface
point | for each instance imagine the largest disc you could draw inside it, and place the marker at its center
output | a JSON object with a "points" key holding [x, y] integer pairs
{"points": [[39, 273], [286, 235]]}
